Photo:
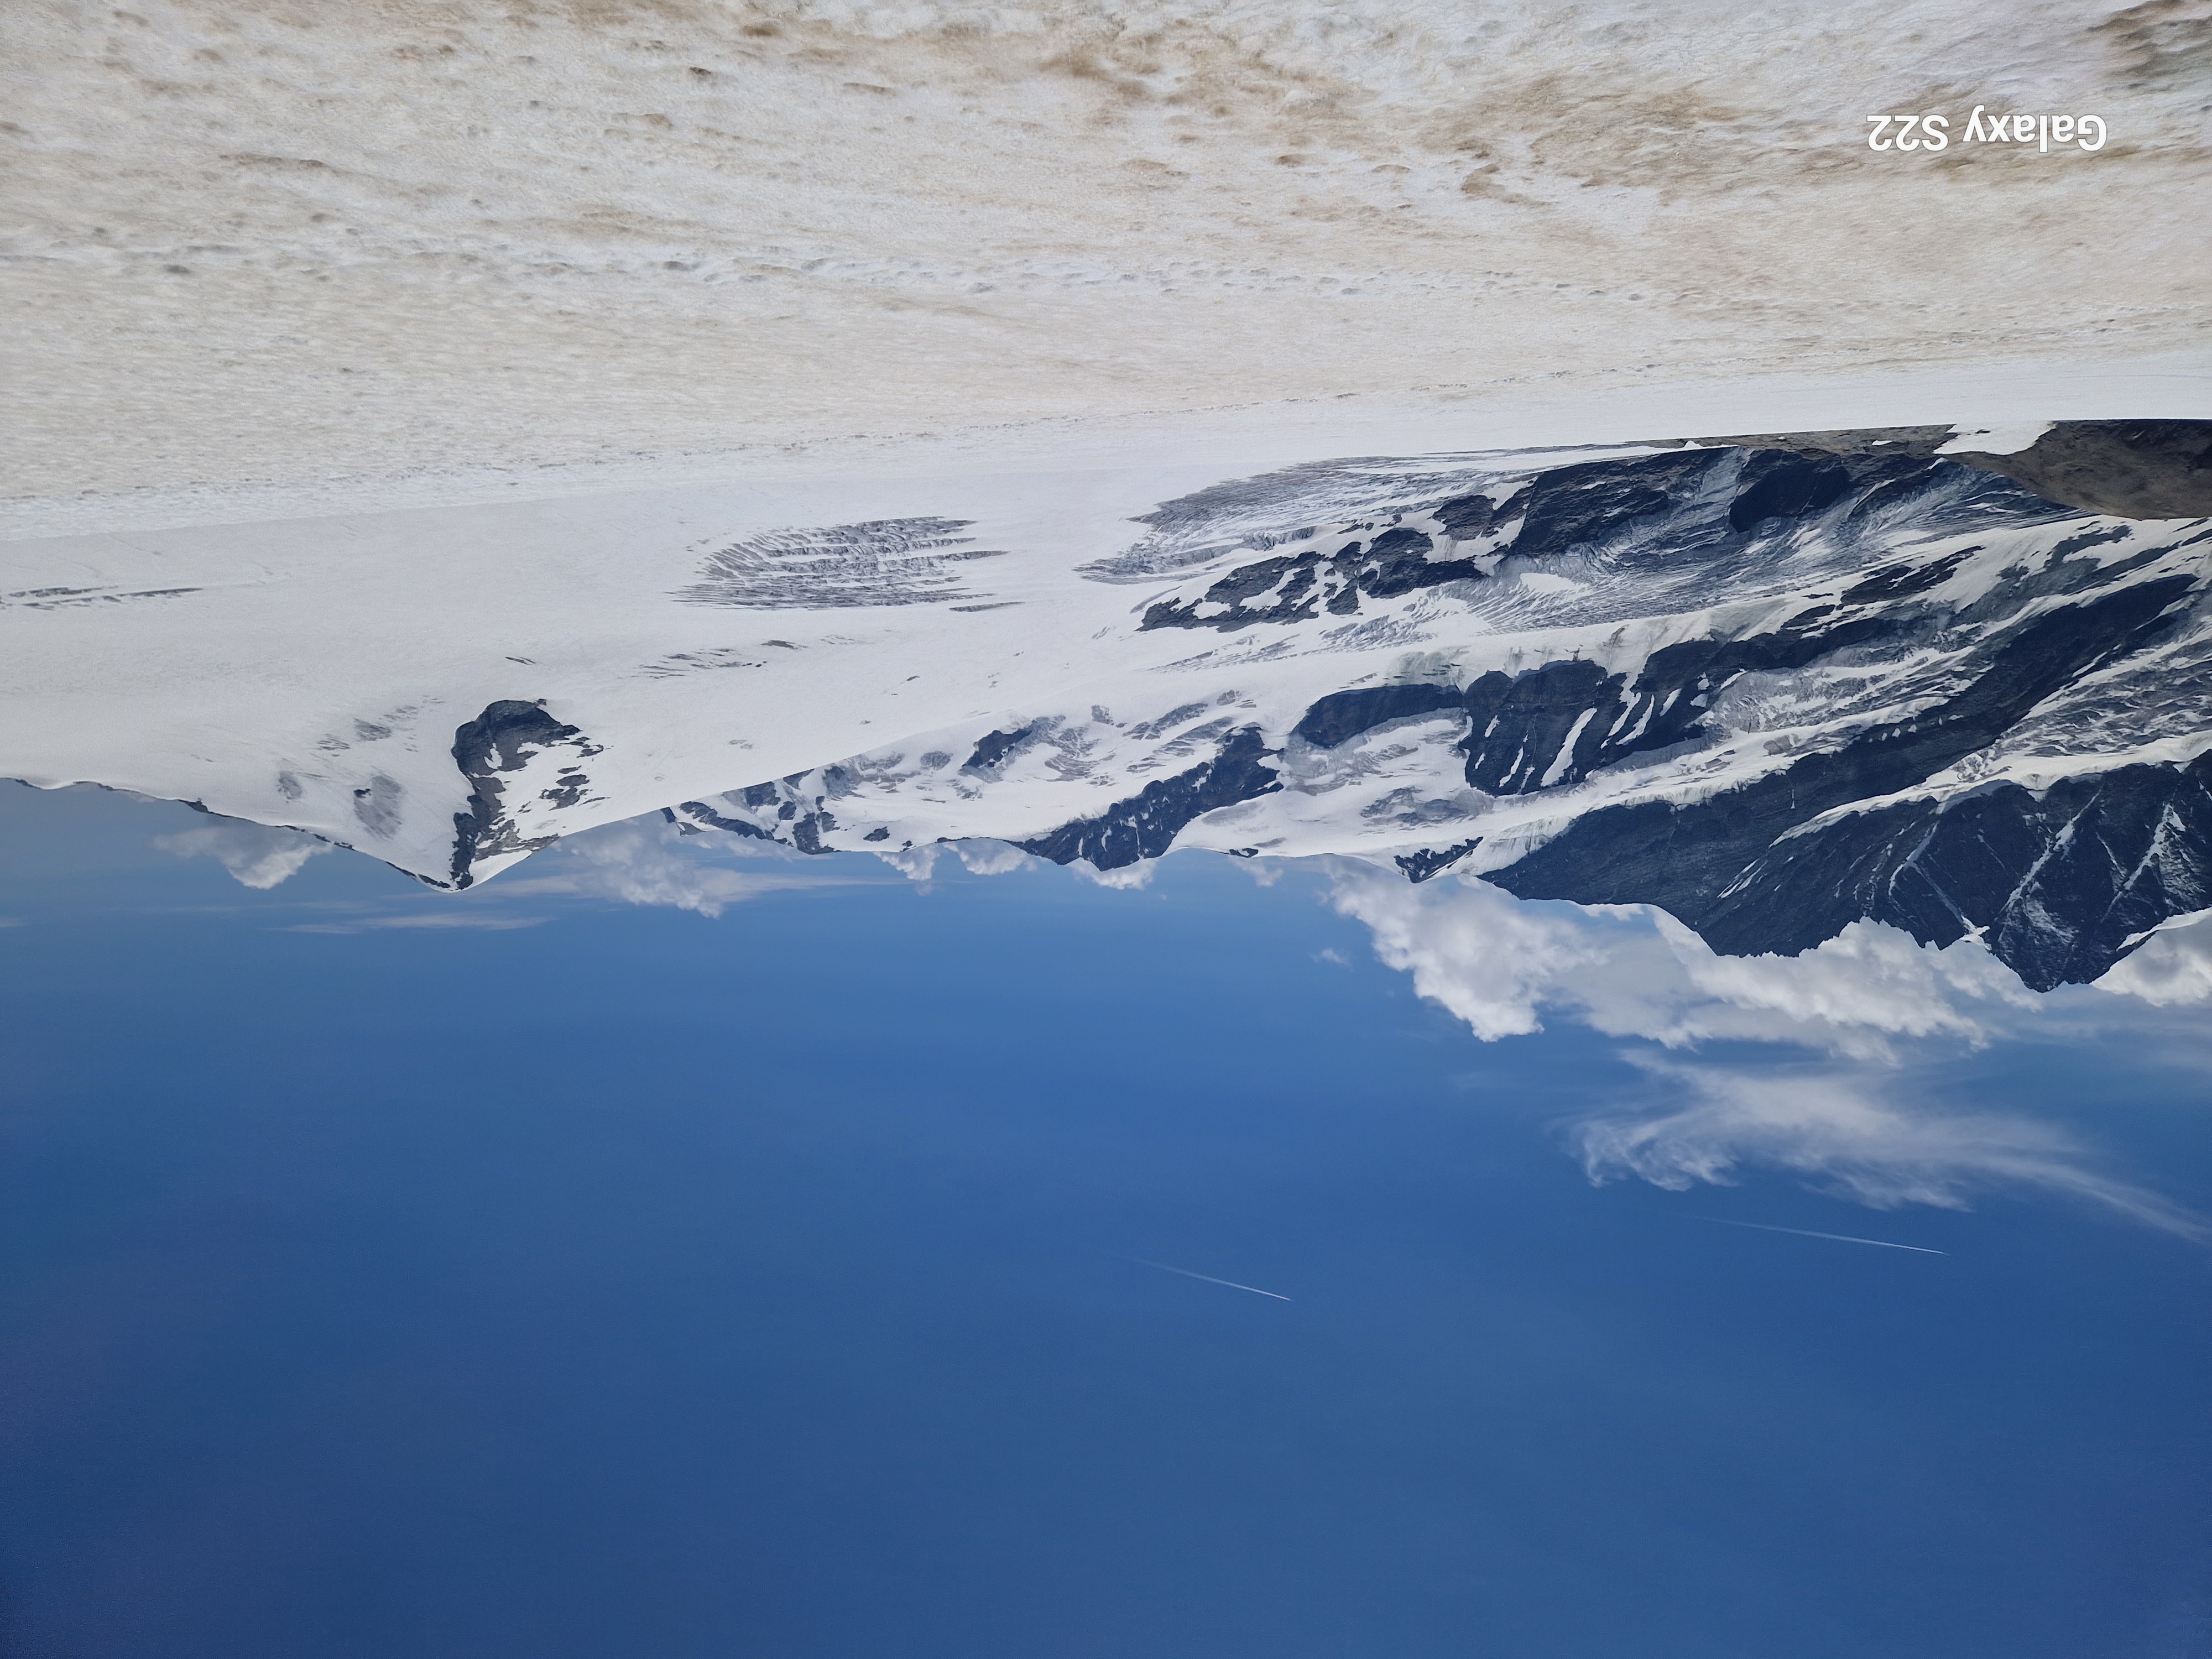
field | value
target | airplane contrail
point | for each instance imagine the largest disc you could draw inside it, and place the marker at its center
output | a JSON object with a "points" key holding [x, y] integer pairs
{"points": [[1801, 1232], [1208, 1278]]}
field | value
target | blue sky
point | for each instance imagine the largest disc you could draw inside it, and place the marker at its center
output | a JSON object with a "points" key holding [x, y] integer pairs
{"points": [[772, 1282]]}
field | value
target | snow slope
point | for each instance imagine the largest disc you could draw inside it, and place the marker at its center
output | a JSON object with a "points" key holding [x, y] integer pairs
{"points": [[257, 241]]}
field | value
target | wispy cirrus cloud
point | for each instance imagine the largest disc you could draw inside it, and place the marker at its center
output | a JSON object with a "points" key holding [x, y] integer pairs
{"points": [[1856, 1135], [487, 920], [1837, 1099]]}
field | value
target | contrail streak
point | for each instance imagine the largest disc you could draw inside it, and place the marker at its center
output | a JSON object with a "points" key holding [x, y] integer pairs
{"points": [[1208, 1278], [1840, 1238]]}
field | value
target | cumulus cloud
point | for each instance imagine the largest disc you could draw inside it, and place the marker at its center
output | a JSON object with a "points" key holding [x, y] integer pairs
{"points": [[1851, 1137], [1498, 962], [991, 858], [1474, 950], [1867, 1003], [255, 853], [1869, 983], [648, 861], [2171, 967], [1129, 877], [914, 863]]}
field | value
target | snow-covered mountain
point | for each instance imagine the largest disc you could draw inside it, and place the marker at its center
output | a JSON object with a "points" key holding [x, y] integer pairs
{"points": [[1773, 686], [1772, 683]]}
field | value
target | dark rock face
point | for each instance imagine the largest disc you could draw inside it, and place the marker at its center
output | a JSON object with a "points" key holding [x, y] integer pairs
{"points": [[708, 815], [505, 738], [1419, 866], [1724, 866], [1466, 517], [2130, 469], [1918, 443], [1571, 506], [1559, 723], [2060, 887], [2127, 469], [995, 747], [1294, 588], [1562, 509], [1146, 826], [1533, 729], [1343, 716], [799, 817], [1680, 509], [1775, 485], [1558, 509]]}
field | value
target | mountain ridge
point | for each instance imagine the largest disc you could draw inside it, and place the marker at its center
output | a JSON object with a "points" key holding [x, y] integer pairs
{"points": [[1770, 683]]}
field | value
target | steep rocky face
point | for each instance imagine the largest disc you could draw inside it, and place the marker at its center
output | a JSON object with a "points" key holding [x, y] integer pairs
{"points": [[2133, 469], [2060, 885], [1146, 826], [1699, 503], [1786, 860], [1772, 685], [517, 759]]}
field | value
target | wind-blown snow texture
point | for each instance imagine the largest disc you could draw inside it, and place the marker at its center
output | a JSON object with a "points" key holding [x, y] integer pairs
{"points": [[256, 241], [1772, 685]]}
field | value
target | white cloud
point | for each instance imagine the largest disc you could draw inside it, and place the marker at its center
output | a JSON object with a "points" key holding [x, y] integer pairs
{"points": [[648, 861], [702, 838], [1483, 954], [1849, 1135], [256, 854], [1871, 995], [914, 863], [990, 857], [1852, 993], [2173, 967], [476, 919], [1498, 964], [1130, 878]]}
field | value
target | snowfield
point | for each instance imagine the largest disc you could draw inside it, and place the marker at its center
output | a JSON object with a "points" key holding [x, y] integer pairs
{"points": [[251, 242]]}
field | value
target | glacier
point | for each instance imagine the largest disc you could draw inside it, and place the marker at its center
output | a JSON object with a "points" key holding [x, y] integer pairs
{"points": [[1772, 684]]}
